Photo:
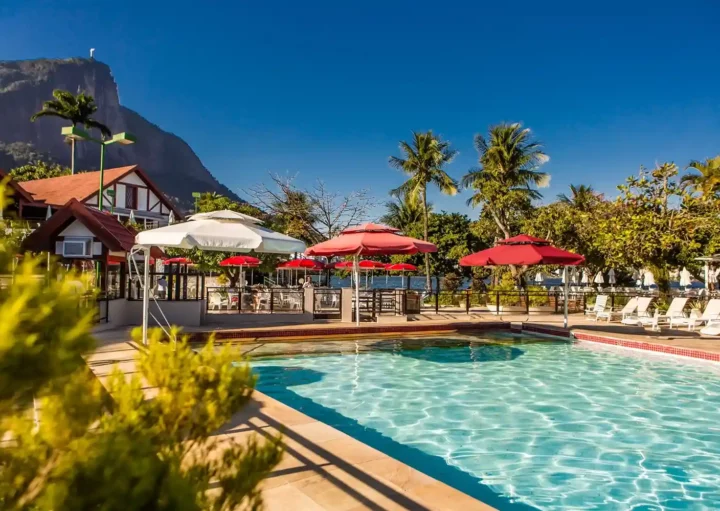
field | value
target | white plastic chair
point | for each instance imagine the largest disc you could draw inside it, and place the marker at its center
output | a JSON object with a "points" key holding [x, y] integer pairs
{"points": [[675, 311], [628, 309], [600, 306], [641, 314], [711, 313]]}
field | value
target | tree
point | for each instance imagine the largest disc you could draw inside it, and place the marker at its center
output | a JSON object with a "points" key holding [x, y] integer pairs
{"points": [[506, 180], [652, 224], [582, 197], [312, 214], [87, 451], [38, 170], [403, 214], [423, 160], [706, 181], [78, 109]]}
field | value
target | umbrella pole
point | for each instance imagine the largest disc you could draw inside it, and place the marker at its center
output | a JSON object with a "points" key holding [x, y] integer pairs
{"points": [[565, 304], [356, 270], [146, 296]]}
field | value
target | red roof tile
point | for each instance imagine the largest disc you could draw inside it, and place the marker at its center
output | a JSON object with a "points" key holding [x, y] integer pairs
{"points": [[105, 227], [57, 191]]}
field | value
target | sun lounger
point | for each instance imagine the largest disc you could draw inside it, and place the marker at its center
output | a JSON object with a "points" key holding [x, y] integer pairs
{"points": [[601, 305], [641, 314], [628, 309], [711, 313], [675, 311]]}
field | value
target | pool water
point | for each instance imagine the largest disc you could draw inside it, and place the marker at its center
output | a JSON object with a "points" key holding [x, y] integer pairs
{"points": [[522, 423]]}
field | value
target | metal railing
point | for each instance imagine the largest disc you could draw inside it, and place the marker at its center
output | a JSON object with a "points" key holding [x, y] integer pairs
{"points": [[327, 303], [253, 301], [168, 286]]}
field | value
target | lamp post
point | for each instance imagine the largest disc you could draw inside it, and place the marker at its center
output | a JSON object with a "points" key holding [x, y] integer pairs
{"points": [[75, 133], [196, 196]]}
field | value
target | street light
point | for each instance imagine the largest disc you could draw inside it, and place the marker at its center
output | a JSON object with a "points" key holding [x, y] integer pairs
{"points": [[196, 196], [75, 133]]}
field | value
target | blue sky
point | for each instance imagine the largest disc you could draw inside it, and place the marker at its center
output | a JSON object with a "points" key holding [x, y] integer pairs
{"points": [[327, 89]]}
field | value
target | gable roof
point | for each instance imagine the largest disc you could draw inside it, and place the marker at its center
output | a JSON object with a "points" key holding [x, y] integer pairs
{"points": [[104, 226], [57, 191], [16, 187]]}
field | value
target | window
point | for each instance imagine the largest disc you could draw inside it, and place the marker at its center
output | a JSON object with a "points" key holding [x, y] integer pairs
{"points": [[131, 197], [77, 247]]}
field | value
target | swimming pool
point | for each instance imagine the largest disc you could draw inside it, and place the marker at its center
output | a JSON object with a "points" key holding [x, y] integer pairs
{"points": [[521, 423]]}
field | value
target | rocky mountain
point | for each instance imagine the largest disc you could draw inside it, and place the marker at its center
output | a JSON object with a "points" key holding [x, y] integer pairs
{"points": [[25, 84]]}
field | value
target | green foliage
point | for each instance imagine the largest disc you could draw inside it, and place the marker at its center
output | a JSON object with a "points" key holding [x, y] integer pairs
{"points": [[78, 109], [38, 170], [538, 296], [451, 282], [506, 180], [403, 214], [423, 161], [88, 451], [706, 181]]}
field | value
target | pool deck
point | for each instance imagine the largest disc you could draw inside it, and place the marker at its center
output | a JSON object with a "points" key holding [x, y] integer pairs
{"points": [[325, 469], [322, 469]]}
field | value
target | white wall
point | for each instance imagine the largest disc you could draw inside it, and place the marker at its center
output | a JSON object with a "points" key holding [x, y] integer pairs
{"points": [[133, 179], [120, 195], [76, 229]]}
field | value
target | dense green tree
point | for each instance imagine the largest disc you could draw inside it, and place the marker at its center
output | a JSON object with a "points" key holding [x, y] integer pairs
{"points": [[507, 179], [403, 214], [424, 159], [38, 170], [650, 224], [76, 108], [706, 179], [581, 198]]}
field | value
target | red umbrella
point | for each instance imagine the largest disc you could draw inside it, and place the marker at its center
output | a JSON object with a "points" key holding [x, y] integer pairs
{"points": [[369, 239], [308, 264], [305, 264], [365, 264], [242, 260], [178, 260], [402, 267], [524, 250]]}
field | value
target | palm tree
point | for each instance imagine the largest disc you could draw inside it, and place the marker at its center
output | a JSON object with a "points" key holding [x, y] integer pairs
{"points": [[582, 197], [504, 181], [424, 159], [707, 182], [78, 109], [402, 213]]}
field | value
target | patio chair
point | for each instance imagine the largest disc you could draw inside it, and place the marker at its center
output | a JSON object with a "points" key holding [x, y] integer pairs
{"points": [[601, 305], [674, 311], [628, 309], [641, 314], [217, 302], [711, 313]]}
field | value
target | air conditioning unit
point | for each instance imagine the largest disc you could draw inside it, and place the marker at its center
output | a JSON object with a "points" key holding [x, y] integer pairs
{"points": [[77, 247]]}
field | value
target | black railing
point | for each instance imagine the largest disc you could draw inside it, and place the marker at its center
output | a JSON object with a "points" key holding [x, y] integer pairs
{"points": [[168, 286], [327, 303], [271, 300]]}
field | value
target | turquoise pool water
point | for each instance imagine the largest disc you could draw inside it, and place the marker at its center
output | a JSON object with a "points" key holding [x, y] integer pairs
{"points": [[521, 424]]}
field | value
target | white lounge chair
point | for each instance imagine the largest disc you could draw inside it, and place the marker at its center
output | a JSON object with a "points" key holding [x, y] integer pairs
{"points": [[711, 313], [674, 311], [641, 314], [600, 306], [628, 309]]}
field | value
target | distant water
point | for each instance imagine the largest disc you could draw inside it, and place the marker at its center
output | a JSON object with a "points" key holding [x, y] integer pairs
{"points": [[418, 282]]}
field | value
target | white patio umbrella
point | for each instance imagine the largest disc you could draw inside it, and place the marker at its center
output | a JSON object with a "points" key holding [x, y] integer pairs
{"points": [[585, 279], [685, 278], [48, 213], [648, 279], [611, 277], [225, 231], [171, 218], [131, 217], [599, 279], [539, 278]]}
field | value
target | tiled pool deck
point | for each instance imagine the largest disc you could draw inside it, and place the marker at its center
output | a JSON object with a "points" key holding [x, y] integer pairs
{"points": [[324, 469]]}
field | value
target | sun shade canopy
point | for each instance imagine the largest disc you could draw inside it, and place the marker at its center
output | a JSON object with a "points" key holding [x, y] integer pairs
{"points": [[226, 231], [370, 239], [240, 261], [302, 264], [401, 267], [522, 250]]}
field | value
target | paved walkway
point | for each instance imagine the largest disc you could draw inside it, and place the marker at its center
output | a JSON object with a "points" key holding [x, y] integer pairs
{"points": [[322, 469]]}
